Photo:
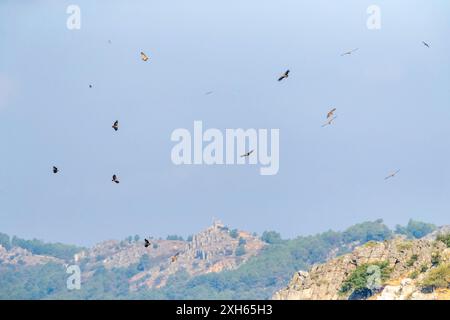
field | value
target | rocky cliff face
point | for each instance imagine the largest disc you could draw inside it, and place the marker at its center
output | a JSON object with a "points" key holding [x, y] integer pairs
{"points": [[212, 250], [409, 262]]}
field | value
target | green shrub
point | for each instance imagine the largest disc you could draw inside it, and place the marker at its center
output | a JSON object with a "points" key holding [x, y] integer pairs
{"points": [[445, 238], [234, 233], [240, 251], [435, 259], [242, 241], [359, 278], [412, 260], [423, 268], [438, 277]]}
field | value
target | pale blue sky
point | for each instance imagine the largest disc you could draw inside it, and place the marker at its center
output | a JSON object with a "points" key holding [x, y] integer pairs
{"points": [[392, 99]]}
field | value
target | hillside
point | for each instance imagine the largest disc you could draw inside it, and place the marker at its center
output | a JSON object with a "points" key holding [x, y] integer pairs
{"points": [[216, 263], [396, 269]]}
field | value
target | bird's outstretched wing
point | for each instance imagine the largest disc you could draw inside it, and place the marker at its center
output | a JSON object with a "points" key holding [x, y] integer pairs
{"points": [[144, 57], [329, 122], [247, 153], [349, 52], [330, 113], [284, 75], [392, 175]]}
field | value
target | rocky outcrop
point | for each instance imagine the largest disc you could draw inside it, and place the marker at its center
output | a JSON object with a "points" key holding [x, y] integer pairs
{"points": [[409, 261], [23, 257], [212, 250]]}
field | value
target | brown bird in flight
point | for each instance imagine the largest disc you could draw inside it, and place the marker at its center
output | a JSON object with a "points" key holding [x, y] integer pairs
{"points": [[331, 113], [392, 175], [247, 153], [175, 257], [329, 122], [115, 126], [115, 179], [55, 169], [284, 75], [144, 57]]}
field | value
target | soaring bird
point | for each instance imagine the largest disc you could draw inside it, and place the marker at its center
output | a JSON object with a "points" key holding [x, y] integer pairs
{"points": [[284, 75], [115, 179], [392, 175], [55, 169], [208, 93], [90, 86], [115, 126], [247, 153], [425, 44], [175, 257], [331, 113], [147, 243], [329, 122], [144, 57], [349, 52]]}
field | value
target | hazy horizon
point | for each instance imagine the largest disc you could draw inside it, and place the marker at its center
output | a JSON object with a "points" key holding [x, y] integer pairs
{"points": [[392, 98]]}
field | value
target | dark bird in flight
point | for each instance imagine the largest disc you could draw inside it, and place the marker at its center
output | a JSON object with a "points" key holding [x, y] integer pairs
{"points": [[392, 175], [247, 153], [147, 243], [331, 113], [115, 179], [144, 57], [329, 122], [175, 257], [349, 52], [115, 126], [284, 75], [208, 93], [55, 169], [425, 44], [90, 86]]}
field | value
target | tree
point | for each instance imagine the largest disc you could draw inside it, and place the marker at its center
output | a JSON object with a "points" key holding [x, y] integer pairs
{"points": [[136, 238], [242, 241], [5, 241], [271, 237], [189, 238], [144, 263], [415, 229], [174, 237], [240, 251], [234, 233], [367, 231]]}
